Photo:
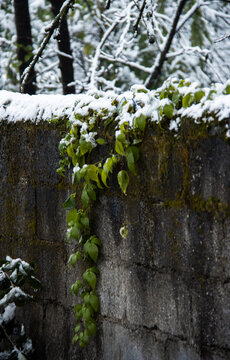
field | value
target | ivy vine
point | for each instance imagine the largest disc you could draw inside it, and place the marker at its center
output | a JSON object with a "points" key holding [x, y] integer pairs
{"points": [[76, 149], [118, 124]]}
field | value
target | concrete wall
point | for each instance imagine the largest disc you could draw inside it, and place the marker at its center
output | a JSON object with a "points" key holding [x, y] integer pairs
{"points": [[165, 289]]}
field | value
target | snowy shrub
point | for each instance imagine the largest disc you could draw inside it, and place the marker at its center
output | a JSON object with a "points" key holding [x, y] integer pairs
{"points": [[15, 274]]}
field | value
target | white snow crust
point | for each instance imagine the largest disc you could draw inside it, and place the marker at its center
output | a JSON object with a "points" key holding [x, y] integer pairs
{"points": [[23, 107]]}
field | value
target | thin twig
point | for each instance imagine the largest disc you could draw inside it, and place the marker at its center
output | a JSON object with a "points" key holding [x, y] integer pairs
{"points": [[55, 23], [135, 28], [130, 64], [98, 51], [192, 11], [162, 57], [7, 336], [64, 54], [222, 38]]}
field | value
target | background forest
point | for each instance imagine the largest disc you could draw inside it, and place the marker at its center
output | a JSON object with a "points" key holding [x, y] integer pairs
{"points": [[114, 44]]}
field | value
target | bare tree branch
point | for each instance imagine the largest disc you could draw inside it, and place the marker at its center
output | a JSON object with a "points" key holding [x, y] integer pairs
{"points": [[162, 57], [135, 28], [190, 13], [107, 6], [222, 38], [50, 29]]}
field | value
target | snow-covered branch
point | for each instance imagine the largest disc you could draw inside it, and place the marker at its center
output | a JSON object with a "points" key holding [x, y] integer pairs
{"points": [[98, 50], [125, 62], [162, 56], [222, 38], [123, 16], [190, 13], [188, 50], [64, 54]]}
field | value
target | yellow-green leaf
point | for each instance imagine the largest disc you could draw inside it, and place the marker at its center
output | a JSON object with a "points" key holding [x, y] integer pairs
{"points": [[123, 180]]}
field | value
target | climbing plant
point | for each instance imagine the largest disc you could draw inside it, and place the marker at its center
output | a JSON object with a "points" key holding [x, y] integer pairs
{"points": [[103, 137]]}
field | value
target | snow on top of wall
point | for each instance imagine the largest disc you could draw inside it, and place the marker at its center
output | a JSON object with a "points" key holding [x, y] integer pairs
{"points": [[17, 107], [23, 107]]}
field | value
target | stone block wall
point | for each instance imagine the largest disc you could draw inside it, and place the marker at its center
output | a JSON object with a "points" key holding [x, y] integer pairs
{"points": [[165, 289]]}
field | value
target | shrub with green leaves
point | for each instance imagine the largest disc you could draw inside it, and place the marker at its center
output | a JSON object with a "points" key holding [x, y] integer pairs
{"points": [[15, 275]]}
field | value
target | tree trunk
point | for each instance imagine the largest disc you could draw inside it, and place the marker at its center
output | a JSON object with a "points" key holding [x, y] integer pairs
{"points": [[65, 63], [24, 42]]}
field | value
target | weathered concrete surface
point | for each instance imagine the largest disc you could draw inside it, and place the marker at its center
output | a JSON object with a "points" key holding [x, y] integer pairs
{"points": [[165, 289]]}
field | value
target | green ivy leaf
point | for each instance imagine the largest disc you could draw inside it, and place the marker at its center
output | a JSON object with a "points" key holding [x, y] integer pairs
{"points": [[144, 90], [104, 176], [91, 173], [94, 269], [70, 150], [75, 338], [78, 255], [77, 328], [90, 278], [72, 216], [119, 148], [84, 220], [91, 192], [91, 250], [92, 328], [84, 147], [68, 235], [176, 98], [132, 156], [85, 337], [227, 89], [75, 232], [94, 302], [121, 137], [140, 122], [123, 180], [100, 141], [187, 100], [75, 159], [198, 95], [130, 159], [77, 308], [94, 240], [73, 260], [168, 110], [85, 197], [86, 313], [87, 298], [75, 289], [69, 204], [211, 94], [81, 343], [107, 168]]}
